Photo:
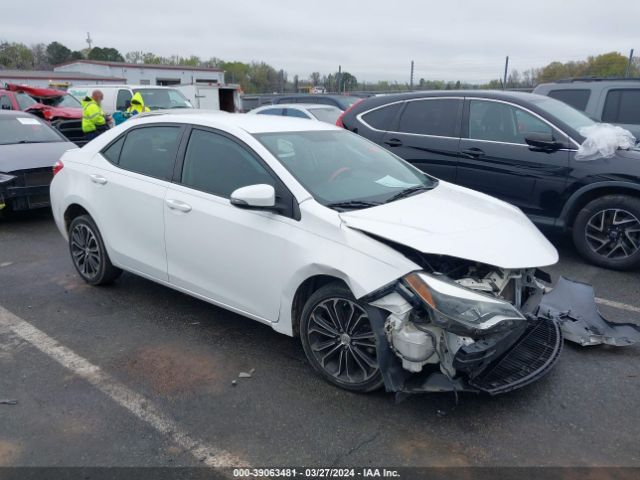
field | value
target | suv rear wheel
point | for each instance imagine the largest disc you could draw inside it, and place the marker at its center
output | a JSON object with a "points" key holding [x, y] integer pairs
{"points": [[606, 232]]}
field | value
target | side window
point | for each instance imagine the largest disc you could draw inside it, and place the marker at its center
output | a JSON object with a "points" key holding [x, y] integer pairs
{"points": [[430, 117], [381, 118], [123, 97], [294, 112], [578, 99], [5, 103], [112, 152], [216, 164], [271, 111], [622, 106], [151, 151], [500, 122]]}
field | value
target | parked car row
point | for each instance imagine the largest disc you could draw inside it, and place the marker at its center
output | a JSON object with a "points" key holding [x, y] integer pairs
{"points": [[521, 148], [343, 102]]}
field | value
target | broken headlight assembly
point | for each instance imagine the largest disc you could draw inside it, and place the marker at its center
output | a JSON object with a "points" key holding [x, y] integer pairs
{"points": [[460, 310]]}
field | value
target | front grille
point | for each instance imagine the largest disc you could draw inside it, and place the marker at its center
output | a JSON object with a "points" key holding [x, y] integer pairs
{"points": [[72, 129], [530, 358]]}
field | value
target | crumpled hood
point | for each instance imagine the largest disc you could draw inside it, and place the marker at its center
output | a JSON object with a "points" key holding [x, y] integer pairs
{"points": [[31, 155], [455, 221], [52, 113]]}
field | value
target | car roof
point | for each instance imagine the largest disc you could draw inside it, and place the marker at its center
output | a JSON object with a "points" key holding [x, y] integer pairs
{"points": [[247, 122], [297, 105], [132, 87]]}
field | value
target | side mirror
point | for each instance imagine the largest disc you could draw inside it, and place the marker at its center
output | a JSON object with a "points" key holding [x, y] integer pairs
{"points": [[542, 141], [261, 197]]}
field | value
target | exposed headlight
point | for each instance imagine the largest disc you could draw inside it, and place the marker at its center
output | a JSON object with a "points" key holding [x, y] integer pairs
{"points": [[457, 308]]}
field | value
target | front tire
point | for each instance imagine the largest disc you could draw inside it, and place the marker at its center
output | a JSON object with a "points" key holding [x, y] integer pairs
{"points": [[88, 253], [338, 340], [606, 232]]}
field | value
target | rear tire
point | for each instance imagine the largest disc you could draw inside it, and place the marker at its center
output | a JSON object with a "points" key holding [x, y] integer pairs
{"points": [[338, 341], [88, 254], [606, 232]]}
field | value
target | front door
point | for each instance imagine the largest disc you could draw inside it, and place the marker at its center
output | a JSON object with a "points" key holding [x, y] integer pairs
{"points": [[427, 135], [495, 159], [229, 255]]}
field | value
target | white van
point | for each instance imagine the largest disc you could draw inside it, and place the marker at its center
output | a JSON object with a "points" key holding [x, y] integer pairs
{"points": [[212, 97], [116, 97]]}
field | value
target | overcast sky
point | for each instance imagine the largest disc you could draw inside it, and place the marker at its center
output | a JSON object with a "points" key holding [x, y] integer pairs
{"points": [[372, 39]]}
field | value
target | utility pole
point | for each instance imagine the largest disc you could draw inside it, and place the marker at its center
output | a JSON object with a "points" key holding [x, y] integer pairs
{"points": [[506, 68], [626, 74], [89, 41], [411, 78]]}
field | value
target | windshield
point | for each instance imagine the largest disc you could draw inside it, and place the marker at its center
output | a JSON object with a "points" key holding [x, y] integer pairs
{"points": [[329, 115], [62, 101], [563, 112], [163, 98], [26, 130], [339, 166], [24, 101]]}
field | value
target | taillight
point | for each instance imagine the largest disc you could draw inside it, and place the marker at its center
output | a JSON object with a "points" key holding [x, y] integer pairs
{"points": [[57, 167], [339, 120]]}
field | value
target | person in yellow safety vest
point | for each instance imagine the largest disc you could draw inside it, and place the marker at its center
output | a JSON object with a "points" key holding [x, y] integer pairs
{"points": [[94, 120], [137, 105]]}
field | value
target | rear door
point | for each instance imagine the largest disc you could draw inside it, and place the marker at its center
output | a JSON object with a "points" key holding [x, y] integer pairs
{"points": [[495, 159], [622, 107], [427, 134], [126, 188]]}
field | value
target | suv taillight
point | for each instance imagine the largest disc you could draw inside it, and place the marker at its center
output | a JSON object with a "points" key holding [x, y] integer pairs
{"points": [[339, 120], [57, 167]]}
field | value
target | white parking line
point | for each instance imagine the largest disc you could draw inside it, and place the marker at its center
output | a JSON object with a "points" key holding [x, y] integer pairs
{"points": [[618, 305], [135, 403]]}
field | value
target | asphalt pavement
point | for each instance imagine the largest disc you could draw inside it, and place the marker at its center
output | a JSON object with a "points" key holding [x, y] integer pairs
{"points": [[136, 374]]}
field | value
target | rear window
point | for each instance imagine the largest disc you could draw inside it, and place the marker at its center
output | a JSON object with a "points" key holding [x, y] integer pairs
{"points": [[622, 106], [578, 99], [382, 118], [431, 117], [329, 115], [26, 130]]}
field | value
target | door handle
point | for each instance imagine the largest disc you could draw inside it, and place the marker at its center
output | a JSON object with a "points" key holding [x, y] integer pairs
{"points": [[473, 152], [394, 142], [178, 205], [99, 179]]}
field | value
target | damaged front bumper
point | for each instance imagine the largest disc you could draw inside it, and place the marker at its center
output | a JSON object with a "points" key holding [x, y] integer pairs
{"points": [[492, 362]]}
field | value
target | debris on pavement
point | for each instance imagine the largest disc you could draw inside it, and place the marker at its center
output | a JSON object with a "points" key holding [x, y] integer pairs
{"points": [[6, 264], [8, 402], [234, 382]]}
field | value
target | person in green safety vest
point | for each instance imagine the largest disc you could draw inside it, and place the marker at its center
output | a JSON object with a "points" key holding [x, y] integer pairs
{"points": [[94, 120], [137, 105]]}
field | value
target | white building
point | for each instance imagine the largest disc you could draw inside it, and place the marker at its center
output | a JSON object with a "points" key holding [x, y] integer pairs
{"points": [[145, 74], [48, 78]]}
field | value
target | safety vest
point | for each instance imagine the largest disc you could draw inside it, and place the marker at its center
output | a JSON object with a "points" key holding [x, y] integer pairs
{"points": [[137, 104], [92, 115]]}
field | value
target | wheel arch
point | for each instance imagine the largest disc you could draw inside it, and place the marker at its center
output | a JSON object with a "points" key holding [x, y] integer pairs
{"points": [[307, 288], [586, 194]]}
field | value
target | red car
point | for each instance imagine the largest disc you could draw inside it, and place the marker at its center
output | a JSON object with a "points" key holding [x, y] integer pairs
{"points": [[61, 110]]}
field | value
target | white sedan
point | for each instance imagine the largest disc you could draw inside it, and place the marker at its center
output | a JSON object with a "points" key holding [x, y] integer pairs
{"points": [[386, 274], [309, 111]]}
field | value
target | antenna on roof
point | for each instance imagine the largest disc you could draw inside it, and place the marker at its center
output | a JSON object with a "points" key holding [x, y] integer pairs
{"points": [[89, 41]]}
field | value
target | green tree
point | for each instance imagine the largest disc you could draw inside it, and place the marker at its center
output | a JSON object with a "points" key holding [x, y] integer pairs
{"points": [[57, 53], [106, 54], [15, 55]]}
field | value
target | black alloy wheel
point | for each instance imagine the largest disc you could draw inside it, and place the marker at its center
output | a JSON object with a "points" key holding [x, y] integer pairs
{"points": [[338, 340], [607, 232], [88, 254]]}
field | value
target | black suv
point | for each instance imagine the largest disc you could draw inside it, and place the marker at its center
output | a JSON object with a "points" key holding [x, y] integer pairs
{"points": [[519, 147]]}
